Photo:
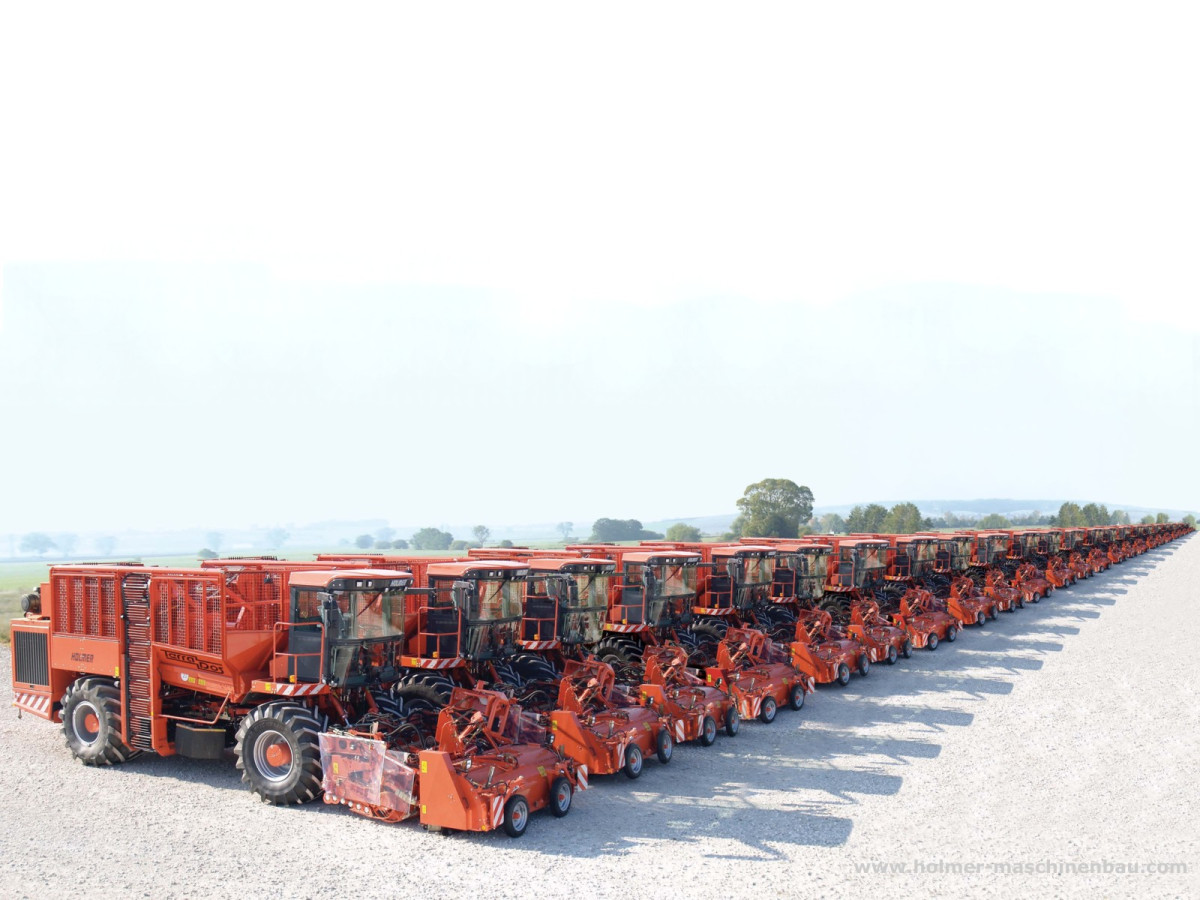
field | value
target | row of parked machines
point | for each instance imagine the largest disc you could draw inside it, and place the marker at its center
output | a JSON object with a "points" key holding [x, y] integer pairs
{"points": [[469, 693]]}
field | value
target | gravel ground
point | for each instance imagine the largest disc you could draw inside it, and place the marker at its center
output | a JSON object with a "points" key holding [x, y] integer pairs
{"points": [[1060, 735]]}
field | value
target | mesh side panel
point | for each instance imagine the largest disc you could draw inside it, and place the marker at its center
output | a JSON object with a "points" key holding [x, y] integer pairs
{"points": [[91, 603], [108, 607], [62, 607], [76, 607], [161, 602]]}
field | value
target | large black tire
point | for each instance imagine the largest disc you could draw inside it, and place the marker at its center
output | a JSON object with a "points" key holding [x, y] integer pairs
{"points": [[532, 667], [843, 674], [423, 690], [766, 712], [708, 731], [633, 761], [864, 665], [733, 722], [506, 674], [892, 655], [560, 797], [391, 706], [278, 753], [951, 634], [713, 629], [91, 717], [516, 815], [906, 650], [980, 618], [932, 643], [617, 652], [419, 697]]}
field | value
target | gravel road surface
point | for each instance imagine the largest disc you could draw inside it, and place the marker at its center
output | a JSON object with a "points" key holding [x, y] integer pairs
{"points": [[1039, 756]]}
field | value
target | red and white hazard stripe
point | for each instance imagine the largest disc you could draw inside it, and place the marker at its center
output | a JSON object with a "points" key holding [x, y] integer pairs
{"points": [[538, 645], [581, 777], [679, 731], [497, 811], [622, 629], [38, 704], [298, 690]]}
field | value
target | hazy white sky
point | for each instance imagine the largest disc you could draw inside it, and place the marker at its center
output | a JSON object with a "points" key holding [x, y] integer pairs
{"points": [[532, 262]]}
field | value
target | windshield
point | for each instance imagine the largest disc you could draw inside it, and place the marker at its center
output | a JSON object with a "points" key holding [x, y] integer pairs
{"points": [[874, 558], [923, 551], [495, 599], [812, 570], [593, 589], [758, 570], [675, 580], [359, 615]]}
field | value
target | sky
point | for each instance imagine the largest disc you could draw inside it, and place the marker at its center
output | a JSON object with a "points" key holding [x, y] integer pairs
{"points": [[537, 262]]}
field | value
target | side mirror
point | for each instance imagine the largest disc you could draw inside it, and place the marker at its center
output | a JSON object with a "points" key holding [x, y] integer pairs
{"points": [[335, 622], [460, 594]]}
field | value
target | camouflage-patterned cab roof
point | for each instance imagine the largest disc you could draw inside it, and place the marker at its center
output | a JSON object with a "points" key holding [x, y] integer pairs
{"points": [[579, 564], [320, 578], [479, 568]]}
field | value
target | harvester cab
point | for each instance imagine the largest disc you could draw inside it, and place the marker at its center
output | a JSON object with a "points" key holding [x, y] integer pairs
{"points": [[953, 553], [568, 595], [915, 556], [649, 601], [463, 624], [862, 563], [486, 597], [565, 602], [801, 570], [749, 571], [345, 628]]}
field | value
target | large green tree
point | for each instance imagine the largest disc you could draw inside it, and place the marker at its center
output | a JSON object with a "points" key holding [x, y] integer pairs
{"points": [[1119, 517], [432, 539], [866, 519], [831, 523], [1189, 520], [682, 532], [904, 518], [1160, 519], [1094, 514], [773, 507], [1070, 515], [994, 520], [609, 530]]}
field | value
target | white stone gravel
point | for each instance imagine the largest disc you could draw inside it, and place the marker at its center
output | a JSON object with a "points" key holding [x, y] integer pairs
{"points": [[1066, 733]]}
